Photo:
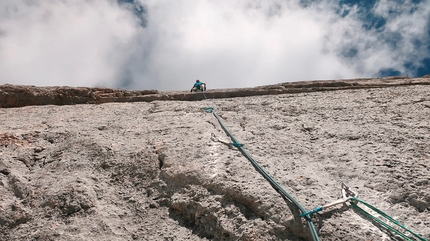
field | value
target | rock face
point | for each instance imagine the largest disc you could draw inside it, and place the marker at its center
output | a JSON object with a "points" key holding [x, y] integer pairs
{"points": [[24, 95], [20, 95], [153, 171]]}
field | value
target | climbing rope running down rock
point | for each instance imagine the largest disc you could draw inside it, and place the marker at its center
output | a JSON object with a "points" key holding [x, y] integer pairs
{"points": [[273, 183]]}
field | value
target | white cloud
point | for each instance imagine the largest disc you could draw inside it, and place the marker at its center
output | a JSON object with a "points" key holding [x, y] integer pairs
{"points": [[233, 43], [76, 43], [390, 46]]}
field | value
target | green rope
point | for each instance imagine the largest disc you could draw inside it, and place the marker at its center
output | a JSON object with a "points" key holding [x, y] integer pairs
{"points": [[285, 194], [209, 109], [261, 170], [236, 144], [354, 204]]}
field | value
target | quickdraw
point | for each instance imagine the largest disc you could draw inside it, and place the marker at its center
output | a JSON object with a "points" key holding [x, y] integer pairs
{"points": [[350, 196], [215, 138], [347, 195]]}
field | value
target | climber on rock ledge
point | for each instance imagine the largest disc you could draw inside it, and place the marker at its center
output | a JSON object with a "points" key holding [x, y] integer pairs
{"points": [[199, 86]]}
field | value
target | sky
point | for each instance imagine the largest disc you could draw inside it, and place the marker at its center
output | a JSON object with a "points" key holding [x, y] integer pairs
{"points": [[168, 44]]}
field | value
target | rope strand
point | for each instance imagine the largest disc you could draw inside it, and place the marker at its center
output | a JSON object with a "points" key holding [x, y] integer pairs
{"points": [[355, 200], [261, 170]]}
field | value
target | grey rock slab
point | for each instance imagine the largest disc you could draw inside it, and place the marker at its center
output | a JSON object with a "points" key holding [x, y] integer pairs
{"points": [[150, 170]]}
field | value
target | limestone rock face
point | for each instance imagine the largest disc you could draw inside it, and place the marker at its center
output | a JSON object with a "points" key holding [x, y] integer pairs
{"points": [[23, 95], [151, 169], [19, 95]]}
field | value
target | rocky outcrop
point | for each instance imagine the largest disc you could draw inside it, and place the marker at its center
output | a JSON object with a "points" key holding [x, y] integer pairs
{"points": [[19, 95], [22, 95]]}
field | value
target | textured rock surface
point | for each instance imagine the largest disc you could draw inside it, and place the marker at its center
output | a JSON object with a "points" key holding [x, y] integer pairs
{"points": [[150, 170], [22, 95], [25, 95]]}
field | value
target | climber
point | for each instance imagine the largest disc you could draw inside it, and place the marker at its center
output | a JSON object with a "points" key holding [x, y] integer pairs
{"points": [[198, 86]]}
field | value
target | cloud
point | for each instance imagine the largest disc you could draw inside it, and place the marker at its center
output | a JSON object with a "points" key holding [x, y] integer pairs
{"points": [[166, 44], [394, 42], [75, 43], [239, 43]]}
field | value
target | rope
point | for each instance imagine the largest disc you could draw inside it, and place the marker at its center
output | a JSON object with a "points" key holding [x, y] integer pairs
{"points": [[355, 200], [204, 95], [261, 170]]}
